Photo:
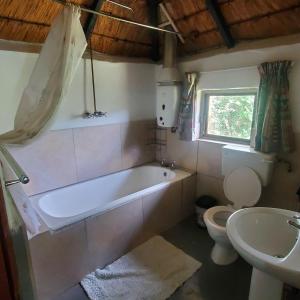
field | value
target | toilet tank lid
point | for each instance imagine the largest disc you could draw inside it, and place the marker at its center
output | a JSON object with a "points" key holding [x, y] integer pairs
{"points": [[242, 187]]}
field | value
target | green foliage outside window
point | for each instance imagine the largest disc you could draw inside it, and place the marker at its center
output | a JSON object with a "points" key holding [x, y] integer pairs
{"points": [[230, 115]]}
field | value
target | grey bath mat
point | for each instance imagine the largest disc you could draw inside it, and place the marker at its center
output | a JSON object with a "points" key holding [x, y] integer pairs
{"points": [[152, 271]]}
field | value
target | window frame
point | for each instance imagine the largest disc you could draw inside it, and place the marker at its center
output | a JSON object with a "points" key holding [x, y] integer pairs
{"points": [[204, 109]]}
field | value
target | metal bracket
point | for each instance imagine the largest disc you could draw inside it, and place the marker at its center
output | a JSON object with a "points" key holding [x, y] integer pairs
{"points": [[20, 174], [22, 179], [170, 22]]}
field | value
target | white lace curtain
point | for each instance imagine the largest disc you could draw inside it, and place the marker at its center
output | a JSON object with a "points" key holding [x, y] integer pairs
{"points": [[50, 79]]}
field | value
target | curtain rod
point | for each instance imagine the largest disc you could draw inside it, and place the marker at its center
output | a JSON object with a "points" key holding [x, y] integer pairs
{"points": [[103, 14]]}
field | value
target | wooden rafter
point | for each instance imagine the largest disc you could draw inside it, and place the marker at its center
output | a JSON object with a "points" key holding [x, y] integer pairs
{"points": [[92, 18], [153, 19], [214, 9]]}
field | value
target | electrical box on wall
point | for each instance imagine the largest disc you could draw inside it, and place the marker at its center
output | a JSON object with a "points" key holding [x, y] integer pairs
{"points": [[167, 104]]}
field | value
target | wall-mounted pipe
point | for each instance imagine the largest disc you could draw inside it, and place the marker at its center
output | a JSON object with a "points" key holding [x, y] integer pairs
{"points": [[170, 51], [96, 113]]}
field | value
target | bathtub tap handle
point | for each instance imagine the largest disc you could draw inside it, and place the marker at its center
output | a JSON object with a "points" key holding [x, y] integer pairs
{"points": [[163, 162], [173, 165]]}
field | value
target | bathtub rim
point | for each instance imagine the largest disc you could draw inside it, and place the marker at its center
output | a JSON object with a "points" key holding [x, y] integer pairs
{"points": [[53, 224]]}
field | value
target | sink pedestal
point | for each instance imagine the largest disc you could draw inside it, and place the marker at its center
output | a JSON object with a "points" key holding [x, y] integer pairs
{"points": [[263, 286]]}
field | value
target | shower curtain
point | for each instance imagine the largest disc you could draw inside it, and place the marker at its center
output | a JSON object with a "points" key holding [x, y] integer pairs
{"points": [[50, 79]]}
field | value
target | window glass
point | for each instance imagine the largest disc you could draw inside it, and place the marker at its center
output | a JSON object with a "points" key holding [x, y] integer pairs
{"points": [[228, 116]]}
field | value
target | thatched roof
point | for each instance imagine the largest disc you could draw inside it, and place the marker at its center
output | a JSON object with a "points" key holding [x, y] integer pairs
{"points": [[29, 21]]}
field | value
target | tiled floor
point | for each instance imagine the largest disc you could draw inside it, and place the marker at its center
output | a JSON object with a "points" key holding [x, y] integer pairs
{"points": [[211, 282]]}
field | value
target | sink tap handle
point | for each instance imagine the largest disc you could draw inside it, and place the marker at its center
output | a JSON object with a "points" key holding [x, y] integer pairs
{"points": [[294, 224]]}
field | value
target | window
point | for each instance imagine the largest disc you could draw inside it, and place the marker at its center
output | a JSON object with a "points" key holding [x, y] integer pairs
{"points": [[227, 115]]}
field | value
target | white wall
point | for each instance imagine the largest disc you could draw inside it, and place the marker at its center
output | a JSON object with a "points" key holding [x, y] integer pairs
{"points": [[125, 90]]}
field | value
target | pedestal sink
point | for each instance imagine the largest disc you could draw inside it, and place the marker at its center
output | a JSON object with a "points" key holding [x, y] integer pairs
{"points": [[267, 238]]}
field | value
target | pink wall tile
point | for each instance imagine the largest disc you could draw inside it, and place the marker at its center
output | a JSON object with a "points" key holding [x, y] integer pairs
{"points": [[97, 150], [281, 192], [135, 138], [113, 233], [189, 185], [60, 260], [49, 161], [184, 153], [208, 185], [210, 159], [162, 209], [64, 157]]}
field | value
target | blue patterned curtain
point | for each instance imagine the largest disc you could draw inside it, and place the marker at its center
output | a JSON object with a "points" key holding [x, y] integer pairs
{"points": [[272, 123], [188, 121]]}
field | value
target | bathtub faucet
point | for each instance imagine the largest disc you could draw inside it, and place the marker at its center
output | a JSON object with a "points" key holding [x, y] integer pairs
{"points": [[168, 164]]}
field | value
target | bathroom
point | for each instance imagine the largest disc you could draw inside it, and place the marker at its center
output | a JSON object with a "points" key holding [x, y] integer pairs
{"points": [[116, 167]]}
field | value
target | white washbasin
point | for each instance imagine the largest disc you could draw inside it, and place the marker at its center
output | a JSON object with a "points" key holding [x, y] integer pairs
{"points": [[265, 239]]}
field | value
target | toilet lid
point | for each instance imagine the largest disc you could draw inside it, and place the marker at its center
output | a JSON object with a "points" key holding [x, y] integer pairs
{"points": [[242, 187]]}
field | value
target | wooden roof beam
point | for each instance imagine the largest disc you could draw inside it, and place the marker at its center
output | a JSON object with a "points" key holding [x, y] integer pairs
{"points": [[214, 9], [153, 10], [92, 18]]}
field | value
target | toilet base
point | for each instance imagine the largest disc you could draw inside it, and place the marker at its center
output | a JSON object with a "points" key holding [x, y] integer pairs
{"points": [[223, 255]]}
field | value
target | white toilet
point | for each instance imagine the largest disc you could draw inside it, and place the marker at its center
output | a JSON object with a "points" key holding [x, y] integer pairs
{"points": [[245, 172]]}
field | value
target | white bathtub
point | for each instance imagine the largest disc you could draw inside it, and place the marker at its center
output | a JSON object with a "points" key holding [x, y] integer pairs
{"points": [[73, 203]]}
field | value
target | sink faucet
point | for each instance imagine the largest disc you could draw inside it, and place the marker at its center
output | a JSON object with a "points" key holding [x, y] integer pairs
{"points": [[168, 164], [296, 218]]}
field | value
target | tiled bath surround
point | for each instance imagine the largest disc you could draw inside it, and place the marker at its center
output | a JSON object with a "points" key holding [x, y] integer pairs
{"points": [[64, 157], [62, 258]]}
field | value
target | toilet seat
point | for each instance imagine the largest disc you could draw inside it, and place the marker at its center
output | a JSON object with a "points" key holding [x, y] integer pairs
{"points": [[209, 216], [242, 187]]}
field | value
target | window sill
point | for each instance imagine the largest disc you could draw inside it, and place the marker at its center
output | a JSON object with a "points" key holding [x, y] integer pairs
{"points": [[223, 142]]}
